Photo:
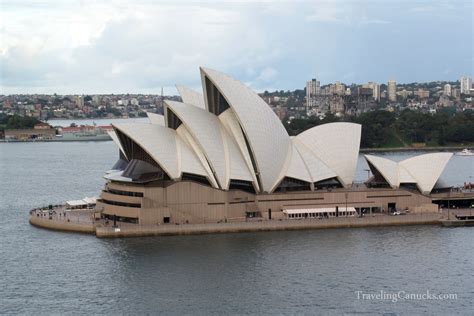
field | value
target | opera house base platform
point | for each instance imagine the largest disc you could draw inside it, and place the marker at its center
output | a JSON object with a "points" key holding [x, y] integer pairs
{"points": [[187, 207], [102, 230]]}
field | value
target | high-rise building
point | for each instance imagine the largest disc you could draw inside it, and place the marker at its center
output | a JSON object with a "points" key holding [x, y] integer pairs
{"points": [[447, 90], [392, 90], [375, 89], [422, 94], [455, 93], [312, 90], [339, 88], [466, 84]]}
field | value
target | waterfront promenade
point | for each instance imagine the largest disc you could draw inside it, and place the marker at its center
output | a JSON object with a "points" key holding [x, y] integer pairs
{"points": [[84, 223]]}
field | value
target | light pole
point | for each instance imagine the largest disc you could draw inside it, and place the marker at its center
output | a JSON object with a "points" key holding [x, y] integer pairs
{"points": [[345, 195], [449, 196], [368, 173]]}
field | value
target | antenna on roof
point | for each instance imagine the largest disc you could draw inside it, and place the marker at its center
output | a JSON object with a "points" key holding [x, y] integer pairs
{"points": [[162, 100]]}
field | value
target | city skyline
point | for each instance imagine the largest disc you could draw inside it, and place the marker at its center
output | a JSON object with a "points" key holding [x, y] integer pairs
{"points": [[89, 48]]}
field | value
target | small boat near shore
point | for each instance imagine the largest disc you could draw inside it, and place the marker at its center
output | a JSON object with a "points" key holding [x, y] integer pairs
{"points": [[465, 152]]}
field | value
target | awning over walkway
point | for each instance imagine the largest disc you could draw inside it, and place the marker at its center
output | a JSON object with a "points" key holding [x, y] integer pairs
{"points": [[81, 203], [350, 209]]}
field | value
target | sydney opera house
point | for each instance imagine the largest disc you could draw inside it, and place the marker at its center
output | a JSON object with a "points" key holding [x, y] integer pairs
{"points": [[224, 155]]}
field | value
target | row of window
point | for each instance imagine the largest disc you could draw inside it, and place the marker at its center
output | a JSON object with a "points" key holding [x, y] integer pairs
{"points": [[126, 193], [136, 205]]}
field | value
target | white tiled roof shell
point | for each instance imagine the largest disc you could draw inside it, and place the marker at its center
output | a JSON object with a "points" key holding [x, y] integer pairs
{"points": [[426, 169], [188, 161], [114, 137], [404, 176], [157, 119], [423, 170], [158, 141], [188, 139], [317, 169], [206, 130], [190, 96], [337, 146], [215, 142], [232, 126], [270, 143], [163, 144], [387, 168], [237, 167], [297, 168]]}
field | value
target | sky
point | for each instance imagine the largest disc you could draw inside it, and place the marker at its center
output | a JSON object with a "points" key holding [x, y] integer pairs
{"points": [[115, 46]]}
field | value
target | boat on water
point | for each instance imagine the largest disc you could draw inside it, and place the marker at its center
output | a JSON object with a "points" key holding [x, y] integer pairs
{"points": [[46, 133], [465, 152], [83, 133]]}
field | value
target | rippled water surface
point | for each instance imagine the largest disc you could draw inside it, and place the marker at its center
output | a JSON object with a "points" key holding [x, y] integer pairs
{"points": [[301, 272]]}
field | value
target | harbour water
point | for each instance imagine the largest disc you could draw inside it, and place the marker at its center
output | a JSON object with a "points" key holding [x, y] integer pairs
{"points": [[298, 272]]}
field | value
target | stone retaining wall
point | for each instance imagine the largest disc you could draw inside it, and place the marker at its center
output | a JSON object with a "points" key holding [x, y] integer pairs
{"points": [[62, 225], [194, 229]]}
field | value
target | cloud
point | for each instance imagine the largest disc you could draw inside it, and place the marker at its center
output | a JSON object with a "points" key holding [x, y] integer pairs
{"points": [[82, 46], [326, 12], [342, 13], [267, 74], [142, 50], [374, 21]]}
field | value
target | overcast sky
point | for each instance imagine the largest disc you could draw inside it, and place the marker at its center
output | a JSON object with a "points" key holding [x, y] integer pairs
{"points": [[138, 46]]}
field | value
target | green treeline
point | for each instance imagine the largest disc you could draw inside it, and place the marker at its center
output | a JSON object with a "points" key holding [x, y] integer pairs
{"points": [[383, 129], [17, 122]]}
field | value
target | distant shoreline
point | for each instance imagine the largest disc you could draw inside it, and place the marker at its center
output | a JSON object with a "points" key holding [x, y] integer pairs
{"points": [[436, 148], [362, 150], [91, 119]]}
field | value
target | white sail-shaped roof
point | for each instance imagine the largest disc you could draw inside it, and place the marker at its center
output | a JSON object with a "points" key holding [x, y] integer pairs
{"points": [[426, 169], [157, 119], [206, 130], [232, 126], [189, 140], [170, 152], [230, 133], [388, 168], [190, 96], [220, 150], [237, 167], [423, 170], [337, 146], [158, 141], [117, 142], [404, 176], [188, 162], [297, 168], [269, 146], [318, 170]]}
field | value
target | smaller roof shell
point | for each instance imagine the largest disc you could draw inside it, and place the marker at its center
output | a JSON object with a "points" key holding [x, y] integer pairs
{"points": [[423, 170], [158, 141], [190, 96], [157, 119]]}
